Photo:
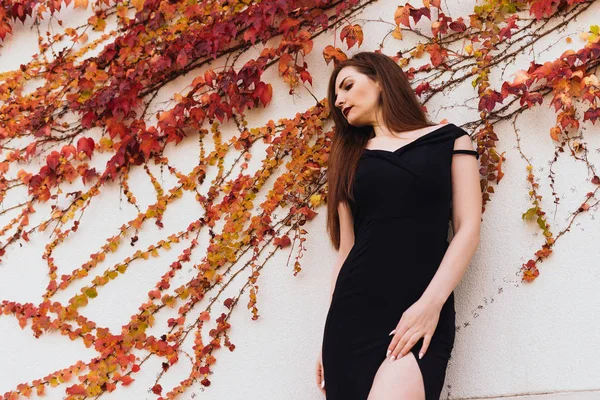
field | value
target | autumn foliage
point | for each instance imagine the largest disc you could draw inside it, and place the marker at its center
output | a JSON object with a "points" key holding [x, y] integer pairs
{"points": [[98, 107]]}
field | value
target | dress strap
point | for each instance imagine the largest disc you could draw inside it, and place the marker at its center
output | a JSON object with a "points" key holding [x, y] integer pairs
{"points": [[461, 151]]}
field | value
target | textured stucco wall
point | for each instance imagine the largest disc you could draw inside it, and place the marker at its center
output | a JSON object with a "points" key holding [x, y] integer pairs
{"points": [[513, 339]]}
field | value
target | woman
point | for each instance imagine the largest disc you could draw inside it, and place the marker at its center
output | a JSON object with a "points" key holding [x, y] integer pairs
{"points": [[393, 186]]}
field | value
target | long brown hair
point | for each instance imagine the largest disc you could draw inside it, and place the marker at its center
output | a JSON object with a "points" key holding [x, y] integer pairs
{"points": [[401, 111]]}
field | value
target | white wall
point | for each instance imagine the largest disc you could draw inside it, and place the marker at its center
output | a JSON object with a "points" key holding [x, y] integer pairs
{"points": [[514, 338]]}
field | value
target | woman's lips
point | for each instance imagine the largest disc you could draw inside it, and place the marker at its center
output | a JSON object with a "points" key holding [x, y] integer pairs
{"points": [[347, 111]]}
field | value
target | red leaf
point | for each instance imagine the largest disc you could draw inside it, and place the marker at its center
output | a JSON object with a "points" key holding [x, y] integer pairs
{"points": [[205, 382], [88, 175], [53, 160], [540, 8], [250, 34], [43, 131], [68, 151], [228, 302], [283, 241], [86, 145], [116, 128], [182, 59], [30, 150], [305, 76], [157, 389], [422, 88], [489, 99], [437, 54], [76, 390], [264, 92], [289, 24], [149, 144], [420, 12], [4, 26], [88, 119], [458, 26]]}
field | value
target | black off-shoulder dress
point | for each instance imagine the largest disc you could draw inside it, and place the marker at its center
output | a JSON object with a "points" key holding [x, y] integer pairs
{"points": [[401, 210]]}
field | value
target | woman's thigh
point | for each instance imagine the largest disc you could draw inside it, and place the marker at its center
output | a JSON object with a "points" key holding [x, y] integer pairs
{"points": [[398, 380]]}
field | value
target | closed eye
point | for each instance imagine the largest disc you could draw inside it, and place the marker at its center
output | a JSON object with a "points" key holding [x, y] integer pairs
{"points": [[346, 88]]}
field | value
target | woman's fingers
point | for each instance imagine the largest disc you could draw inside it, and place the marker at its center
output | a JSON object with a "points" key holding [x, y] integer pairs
{"points": [[426, 341], [401, 347], [409, 345], [398, 333], [319, 376], [399, 341]]}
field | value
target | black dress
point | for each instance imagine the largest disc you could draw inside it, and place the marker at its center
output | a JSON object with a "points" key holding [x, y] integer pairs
{"points": [[401, 211]]}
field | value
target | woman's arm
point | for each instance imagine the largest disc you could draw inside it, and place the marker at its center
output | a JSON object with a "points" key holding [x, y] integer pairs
{"points": [[346, 242], [466, 222]]}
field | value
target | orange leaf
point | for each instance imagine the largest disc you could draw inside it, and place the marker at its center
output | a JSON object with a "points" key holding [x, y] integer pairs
{"points": [[204, 316], [335, 54], [352, 34], [81, 3], [401, 15], [138, 4], [126, 380]]}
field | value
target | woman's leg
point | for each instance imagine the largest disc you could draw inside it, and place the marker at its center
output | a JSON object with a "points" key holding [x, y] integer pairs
{"points": [[398, 380]]}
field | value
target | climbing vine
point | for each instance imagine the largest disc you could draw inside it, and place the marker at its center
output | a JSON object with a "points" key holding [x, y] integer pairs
{"points": [[87, 126]]}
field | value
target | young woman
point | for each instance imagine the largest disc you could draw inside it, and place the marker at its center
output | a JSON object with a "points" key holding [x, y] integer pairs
{"points": [[394, 184]]}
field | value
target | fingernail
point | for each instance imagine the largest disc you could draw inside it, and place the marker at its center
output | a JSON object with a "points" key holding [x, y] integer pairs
{"points": [[388, 353], [392, 332], [393, 358], [420, 355], [322, 383]]}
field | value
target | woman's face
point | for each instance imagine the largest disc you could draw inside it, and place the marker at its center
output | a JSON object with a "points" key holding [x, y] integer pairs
{"points": [[357, 97]]}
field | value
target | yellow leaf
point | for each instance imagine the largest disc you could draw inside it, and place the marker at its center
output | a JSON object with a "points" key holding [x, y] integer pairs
{"points": [[113, 246], [209, 274], [397, 33], [112, 274], [315, 200]]}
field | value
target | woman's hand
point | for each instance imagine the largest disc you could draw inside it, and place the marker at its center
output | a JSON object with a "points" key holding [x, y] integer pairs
{"points": [[319, 374], [418, 321]]}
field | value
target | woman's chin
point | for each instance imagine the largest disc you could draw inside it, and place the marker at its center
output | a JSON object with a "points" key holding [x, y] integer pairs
{"points": [[353, 122]]}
